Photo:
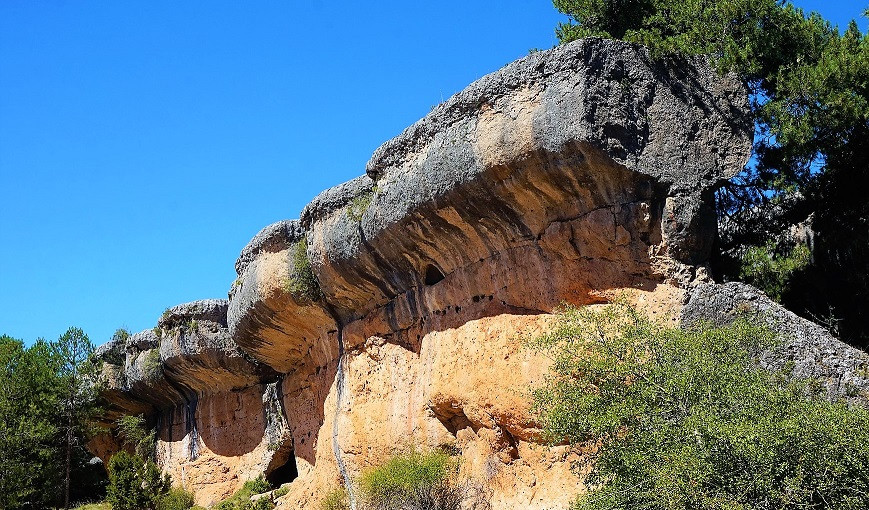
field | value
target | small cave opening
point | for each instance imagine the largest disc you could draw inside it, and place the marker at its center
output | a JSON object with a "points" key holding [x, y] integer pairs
{"points": [[433, 275], [284, 473]]}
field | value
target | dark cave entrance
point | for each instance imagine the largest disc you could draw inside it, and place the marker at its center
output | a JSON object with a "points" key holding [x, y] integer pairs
{"points": [[433, 275], [285, 473]]}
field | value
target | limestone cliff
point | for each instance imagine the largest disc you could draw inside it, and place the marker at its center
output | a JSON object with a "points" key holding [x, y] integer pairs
{"points": [[391, 314]]}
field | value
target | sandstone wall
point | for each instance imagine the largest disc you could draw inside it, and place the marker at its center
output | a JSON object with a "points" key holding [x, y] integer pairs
{"points": [[392, 314]]}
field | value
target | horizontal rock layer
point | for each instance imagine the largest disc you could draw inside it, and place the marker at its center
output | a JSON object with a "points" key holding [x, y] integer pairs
{"points": [[391, 315]]}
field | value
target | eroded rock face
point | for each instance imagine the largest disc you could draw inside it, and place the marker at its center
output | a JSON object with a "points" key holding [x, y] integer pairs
{"points": [[809, 350], [392, 315], [215, 409], [555, 138], [272, 314]]}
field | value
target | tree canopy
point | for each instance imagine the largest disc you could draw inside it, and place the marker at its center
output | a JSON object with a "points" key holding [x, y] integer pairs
{"points": [[809, 85], [45, 404]]}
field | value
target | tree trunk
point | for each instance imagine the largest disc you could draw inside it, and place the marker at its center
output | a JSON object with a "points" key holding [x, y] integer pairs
{"points": [[68, 462]]}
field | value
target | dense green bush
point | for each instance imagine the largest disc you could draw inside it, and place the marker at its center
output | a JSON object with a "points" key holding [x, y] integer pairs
{"points": [[135, 434], [46, 403], [685, 419], [134, 483], [241, 499], [417, 481], [175, 499]]}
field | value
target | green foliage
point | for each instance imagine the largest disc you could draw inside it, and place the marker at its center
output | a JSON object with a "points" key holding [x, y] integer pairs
{"points": [[46, 401], [241, 499], [29, 424], [414, 481], [302, 283], [175, 499], [685, 419], [336, 500], [151, 365], [135, 484], [134, 432], [771, 272], [121, 335]]}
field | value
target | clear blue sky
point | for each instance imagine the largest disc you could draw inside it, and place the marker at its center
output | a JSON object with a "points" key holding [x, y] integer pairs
{"points": [[142, 144]]}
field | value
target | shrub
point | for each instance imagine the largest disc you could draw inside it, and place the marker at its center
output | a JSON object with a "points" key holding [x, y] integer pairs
{"points": [[176, 499], [134, 433], [416, 481], [241, 499], [302, 282], [681, 419], [152, 366], [135, 484], [336, 500]]}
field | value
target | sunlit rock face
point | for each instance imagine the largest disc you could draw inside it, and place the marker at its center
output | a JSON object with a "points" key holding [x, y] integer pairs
{"points": [[392, 314]]}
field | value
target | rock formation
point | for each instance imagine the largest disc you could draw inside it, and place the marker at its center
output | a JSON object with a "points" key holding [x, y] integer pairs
{"points": [[392, 314]]}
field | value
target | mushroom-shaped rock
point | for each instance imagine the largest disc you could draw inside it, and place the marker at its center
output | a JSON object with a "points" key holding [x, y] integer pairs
{"points": [[276, 310]]}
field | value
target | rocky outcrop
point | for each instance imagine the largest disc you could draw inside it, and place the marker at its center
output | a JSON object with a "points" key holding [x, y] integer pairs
{"points": [[215, 409], [391, 315], [806, 349]]}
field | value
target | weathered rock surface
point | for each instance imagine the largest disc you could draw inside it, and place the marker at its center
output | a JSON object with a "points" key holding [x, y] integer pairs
{"points": [[392, 314], [215, 409], [592, 138], [277, 325], [809, 350]]}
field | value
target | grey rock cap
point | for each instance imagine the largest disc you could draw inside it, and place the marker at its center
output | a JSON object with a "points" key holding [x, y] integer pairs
{"points": [[812, 350], [213, 310], [273, 238]]}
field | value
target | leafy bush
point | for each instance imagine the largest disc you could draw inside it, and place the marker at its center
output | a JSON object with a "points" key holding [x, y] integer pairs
{"points": [[336, 500], [176, 499], [302, 282], [241, 499], [135, 484], [416, 481], [133, 431], [685, 419]]}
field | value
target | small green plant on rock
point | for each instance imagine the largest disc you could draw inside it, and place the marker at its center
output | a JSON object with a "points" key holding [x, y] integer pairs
{"points": [[302, 282], [241, 499], [152, 366], [360, 203], [336, 499]]}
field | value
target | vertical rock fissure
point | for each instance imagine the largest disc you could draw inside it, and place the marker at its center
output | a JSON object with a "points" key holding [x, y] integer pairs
{"points": [[192, 429], [339, 398]]}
